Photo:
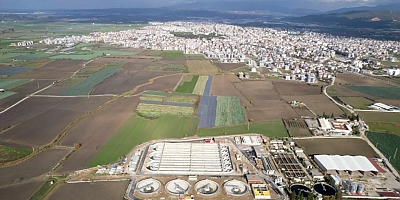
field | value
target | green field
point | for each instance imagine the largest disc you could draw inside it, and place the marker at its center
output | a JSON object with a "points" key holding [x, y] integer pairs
{"points": [[380, 92], [156, 111], [195, 57], [12, 83], [9, 56], [137, 130], [379, 117], [169, 97], [88, 56], [270, 129], [166, 67], [85, 87], [6, 94], [169, 54], [188, 87], [387, 144], [8, 153], [33, 56], [385, 127], [357, 102], [229, 112]]}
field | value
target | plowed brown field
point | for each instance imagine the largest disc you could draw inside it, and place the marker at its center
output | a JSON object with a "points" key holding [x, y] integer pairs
{"points": [[89, 191], [37, 166], [94, 131]]}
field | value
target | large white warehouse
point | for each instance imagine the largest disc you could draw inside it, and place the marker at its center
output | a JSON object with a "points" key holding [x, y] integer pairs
{"points": [[332, 164]]}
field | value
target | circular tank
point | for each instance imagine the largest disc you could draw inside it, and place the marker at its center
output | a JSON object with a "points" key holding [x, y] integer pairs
{"points": [[300, 189], [177, 186], [148, 186], [324, 189], [236, 188], [206, 187]]}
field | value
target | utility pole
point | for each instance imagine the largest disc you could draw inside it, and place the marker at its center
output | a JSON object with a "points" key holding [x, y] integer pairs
{"points": [[248, 125], [38, 85]]}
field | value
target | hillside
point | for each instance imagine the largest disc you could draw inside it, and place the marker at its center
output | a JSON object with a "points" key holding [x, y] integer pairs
{"points": [[356, 19]]}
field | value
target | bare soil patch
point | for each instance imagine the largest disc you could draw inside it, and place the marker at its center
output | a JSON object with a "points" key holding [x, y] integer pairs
{"points": [[28, 109], [222, 85], [37, 166], [166, 84], [266, 110], [23, 91], [318, 103], [94, 131], [204, 67], [83, 104], [229, 66], [353, 79], [57, 69], [125, 81], [296, 88], [337, 146], [54, 90], [89, 191], [41, 129], [20, 191], [138, 64], [257, 90]]}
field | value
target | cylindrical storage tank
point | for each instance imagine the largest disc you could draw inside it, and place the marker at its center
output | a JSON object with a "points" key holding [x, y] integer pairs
{"points": [[360, 188], [353, 188]]}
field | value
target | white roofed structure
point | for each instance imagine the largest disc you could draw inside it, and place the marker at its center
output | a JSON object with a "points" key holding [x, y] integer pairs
{"points": [[344, 163]]}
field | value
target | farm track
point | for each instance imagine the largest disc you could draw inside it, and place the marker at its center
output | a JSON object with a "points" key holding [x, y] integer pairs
{"points": [[63, 133]]}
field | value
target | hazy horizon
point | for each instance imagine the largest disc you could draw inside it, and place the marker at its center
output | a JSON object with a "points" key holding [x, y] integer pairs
{"points": [[322, 5]]}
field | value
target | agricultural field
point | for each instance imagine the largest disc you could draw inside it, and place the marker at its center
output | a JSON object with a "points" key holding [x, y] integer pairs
{"points": [[166, 54], [297, 128], [379, 92], [15, 191], [113, 190], [229, 112], [12, 83], [337, 146], [8, 153], [222, 85], [166, 67], [70, 81], [380, 117], [102, 126], [270, 129], [137, 130], [155, 111], [387, 144], [33, 133], [352, 79], [201, 67], [318, 103], [55, 70], [86, 86], [165, 84], [6, 94], [384, 127], [195, 57], [13, 70], [33, 56], [357, 102], [229, 66], [127, 79], [200, 85], [34, 167], [187, 86], [293, 88], [169, 97], [207, 111]]}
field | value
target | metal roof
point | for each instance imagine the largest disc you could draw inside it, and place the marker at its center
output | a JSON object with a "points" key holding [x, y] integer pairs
{"points": [[345, 163]]}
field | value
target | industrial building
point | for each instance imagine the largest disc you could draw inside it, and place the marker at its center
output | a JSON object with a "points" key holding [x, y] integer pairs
{"points": [[381, 106], [189, 158], [335, 164], [260, 191]]}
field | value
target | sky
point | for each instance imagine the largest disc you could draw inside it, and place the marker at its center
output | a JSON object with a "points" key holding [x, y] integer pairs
{"points": [[322, 5]]}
